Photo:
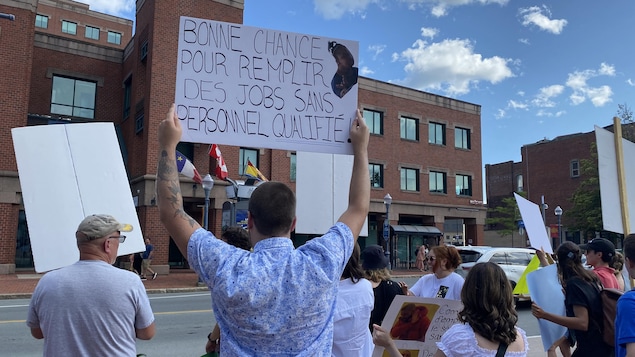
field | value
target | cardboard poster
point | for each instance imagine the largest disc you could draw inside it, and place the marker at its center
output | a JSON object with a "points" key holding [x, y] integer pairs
{"points": [[416, 324], [546, 292], [67, 172], [247, 86], [535, 226]]}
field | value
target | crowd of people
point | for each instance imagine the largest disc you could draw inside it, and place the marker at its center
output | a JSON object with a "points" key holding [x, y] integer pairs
{"points": [[326, 297]]}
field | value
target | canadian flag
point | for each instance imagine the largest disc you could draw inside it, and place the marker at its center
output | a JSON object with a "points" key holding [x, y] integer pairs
{"points": [[221, 168]]}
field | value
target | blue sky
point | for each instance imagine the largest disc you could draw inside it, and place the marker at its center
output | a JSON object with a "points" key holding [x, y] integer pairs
{"points": [[538, 69]]}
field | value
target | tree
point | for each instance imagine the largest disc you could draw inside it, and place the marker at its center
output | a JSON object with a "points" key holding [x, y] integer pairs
{"points": [[586, 211], [505, 216]]}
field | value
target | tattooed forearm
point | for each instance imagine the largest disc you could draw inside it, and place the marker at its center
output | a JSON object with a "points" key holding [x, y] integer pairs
{"points": [[167, 168], [179, 213]]}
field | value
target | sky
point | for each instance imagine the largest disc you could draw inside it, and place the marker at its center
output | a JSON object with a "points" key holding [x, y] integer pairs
{"points": [[537, 69]]}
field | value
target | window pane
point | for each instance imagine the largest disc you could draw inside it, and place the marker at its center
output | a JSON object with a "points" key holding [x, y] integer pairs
{"points": [[115, 37], [246, 155], [293, 166], [408, 128], [409, 179], [436, 133], [41, 21], [462, 138], [73, 97], [85, 94], [437, 182], [376, 175], [373, 121], [463, 185], [69, 27], [92, 32], [63, 89]]}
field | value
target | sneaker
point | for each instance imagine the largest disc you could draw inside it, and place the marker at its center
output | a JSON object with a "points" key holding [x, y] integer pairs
{"points": [[154, 276], [144, 278]]}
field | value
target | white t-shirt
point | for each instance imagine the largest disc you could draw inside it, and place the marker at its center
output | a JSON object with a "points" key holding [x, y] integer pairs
{"points": [[429, 286], [351, 336], [460, 341]]}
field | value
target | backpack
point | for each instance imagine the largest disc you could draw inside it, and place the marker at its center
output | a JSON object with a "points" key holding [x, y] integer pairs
{"points": [[609, 311]]}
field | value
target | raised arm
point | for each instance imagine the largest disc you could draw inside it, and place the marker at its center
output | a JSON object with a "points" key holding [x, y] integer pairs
{"points": [[359, 191], [169, 199]]}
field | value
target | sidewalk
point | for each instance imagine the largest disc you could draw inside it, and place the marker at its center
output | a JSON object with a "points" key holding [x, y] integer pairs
{"points": [[20, 285]]}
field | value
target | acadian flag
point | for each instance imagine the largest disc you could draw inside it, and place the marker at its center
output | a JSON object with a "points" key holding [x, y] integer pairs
{"points": [[221, 169], [521, 287], [252, 171], [186, 168]]}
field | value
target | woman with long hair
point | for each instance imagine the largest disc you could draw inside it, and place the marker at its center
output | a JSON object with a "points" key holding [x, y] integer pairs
{"points": [[443, 282], [582, 301], [355, 301], [488, 317]]}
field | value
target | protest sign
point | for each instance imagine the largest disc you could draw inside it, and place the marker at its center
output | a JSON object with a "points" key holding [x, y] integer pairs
{"points": [[534, 224], [416, 324], [241, 85], [68, 172]]}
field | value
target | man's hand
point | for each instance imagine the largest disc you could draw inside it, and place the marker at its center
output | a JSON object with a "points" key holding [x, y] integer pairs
{"points": [[170, 130], [359, 133]]}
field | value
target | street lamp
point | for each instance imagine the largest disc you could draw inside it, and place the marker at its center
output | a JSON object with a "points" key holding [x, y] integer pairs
{"points": [[387, 202], [208, 183], [558, 212]]}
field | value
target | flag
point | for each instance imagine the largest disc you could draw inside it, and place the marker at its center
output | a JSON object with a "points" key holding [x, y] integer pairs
{"points": [[221, 169], [185, 167], [252, 171]]}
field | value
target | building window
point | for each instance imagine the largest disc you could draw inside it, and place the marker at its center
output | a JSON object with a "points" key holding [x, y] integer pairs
{"points": [[246, 154], [374, 121], [293, 165], [463, 185], [409, 179], [575, 168], [408, 128], [114, 37], [42, 21], [73, 97], [376, 172], [69, 27], [144, 51], [519, 183], [462, 138], [92, 32], [438, 182], [138, 123], [437, 133]]}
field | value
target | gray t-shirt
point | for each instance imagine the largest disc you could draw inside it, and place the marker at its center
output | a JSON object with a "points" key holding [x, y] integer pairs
{"points": [[90, 308]]}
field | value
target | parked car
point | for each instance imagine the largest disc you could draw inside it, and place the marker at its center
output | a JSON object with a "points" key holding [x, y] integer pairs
{"points": [[514, 261]]}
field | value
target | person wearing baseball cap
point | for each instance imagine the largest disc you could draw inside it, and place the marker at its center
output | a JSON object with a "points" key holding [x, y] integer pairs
{"points": [[599, 254], [92, 308]]}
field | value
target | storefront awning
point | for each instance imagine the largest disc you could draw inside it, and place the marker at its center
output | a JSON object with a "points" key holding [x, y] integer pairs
{"points": [[428, 230]]}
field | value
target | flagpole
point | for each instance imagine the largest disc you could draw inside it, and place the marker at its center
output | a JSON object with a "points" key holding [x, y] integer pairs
{"points": [[621, 176]]}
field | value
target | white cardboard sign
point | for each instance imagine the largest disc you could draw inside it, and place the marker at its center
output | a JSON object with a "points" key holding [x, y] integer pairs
{"points": [[240, 85], [609, 187], [68, 172], [534, 224], [322, 186]]}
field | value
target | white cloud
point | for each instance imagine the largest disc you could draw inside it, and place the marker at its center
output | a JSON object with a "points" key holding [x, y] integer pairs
{"points": [[539, 17], [335, 9], [441, 7], [516, 105], [500, 114], [630, 82], [376, 50], [450, 66], [582, 91], [429, 32], [122, 8], [543, 98], [365, 71], [524, 41]]}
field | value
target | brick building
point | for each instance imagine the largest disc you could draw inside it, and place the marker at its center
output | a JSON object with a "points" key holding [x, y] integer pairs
{"points": [[549, 168], [57, 46]]}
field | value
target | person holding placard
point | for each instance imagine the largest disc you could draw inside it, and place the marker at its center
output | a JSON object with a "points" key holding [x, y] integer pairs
{"points": [[276, 300], [583, 303], [91, 308]]}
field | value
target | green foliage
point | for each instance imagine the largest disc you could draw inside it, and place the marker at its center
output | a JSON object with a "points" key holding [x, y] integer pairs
{"points": [[505, 216], [586, 211]]}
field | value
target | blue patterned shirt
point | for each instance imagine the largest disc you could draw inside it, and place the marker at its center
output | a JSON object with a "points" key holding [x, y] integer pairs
{"points": [[276, 300]]}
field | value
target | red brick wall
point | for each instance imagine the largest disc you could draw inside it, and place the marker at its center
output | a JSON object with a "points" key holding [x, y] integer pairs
{"points": [[16, 42], [9, 226]]}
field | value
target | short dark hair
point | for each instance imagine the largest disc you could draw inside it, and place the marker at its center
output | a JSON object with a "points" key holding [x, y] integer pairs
{"points": [[629, 247], [237, 236], [488, 303], [272, 208]]}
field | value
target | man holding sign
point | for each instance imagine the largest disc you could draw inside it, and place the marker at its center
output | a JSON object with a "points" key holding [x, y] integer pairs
{"points": [[276, 300]]}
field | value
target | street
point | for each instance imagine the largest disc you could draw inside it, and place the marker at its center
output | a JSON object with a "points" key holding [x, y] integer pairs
{"points": [[182, 320]]}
